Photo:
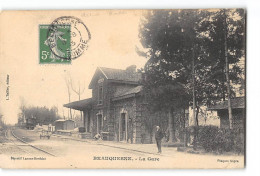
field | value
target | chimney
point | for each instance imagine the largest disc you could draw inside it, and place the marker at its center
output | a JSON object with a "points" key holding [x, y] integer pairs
{"points": [[131, 69]]}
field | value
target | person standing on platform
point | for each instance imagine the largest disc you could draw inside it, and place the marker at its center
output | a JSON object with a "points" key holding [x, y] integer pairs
{"points": [[158, 138]]}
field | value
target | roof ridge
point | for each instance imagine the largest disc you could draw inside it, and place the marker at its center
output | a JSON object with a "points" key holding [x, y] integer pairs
{"points": [[117, 74], [111, 68], [103, 72]]}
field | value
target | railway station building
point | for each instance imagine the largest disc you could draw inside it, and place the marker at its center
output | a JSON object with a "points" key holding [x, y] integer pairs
{"points": [[117, 109]]}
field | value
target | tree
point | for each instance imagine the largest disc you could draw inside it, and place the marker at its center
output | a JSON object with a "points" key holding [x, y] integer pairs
{"points": [[171, 39], [22, 109], [79, 91], [225, 30], [186, 47], [162, 101], [67, 79], [40, 115], [1, 119]]}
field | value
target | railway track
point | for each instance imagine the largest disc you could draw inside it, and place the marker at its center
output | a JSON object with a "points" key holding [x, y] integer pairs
{"points": [[24, 143]]}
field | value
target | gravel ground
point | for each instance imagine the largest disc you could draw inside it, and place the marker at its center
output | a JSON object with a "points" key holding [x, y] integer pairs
{"points": [[77, 154], [52, 145], [6, 146]]}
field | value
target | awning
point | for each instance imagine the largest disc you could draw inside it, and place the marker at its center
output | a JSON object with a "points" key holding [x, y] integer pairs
{"points": [[80, 105]]}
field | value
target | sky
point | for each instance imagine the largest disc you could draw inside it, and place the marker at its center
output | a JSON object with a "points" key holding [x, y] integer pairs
{"points": [[114, 39]]}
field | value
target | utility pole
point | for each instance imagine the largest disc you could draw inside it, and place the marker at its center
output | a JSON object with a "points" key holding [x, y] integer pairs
{"points": [[194, 124], [193, 88], [227, 72]]}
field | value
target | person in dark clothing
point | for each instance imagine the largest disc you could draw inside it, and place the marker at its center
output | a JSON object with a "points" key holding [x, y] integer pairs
{"points": [[158, 138]]}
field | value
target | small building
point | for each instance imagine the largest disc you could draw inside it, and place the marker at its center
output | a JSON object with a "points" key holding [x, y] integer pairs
{"points": [[238, 112], [62, 124]]}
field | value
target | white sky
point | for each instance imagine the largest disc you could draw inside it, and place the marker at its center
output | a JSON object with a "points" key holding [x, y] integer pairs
{"points": [[113, 42]]}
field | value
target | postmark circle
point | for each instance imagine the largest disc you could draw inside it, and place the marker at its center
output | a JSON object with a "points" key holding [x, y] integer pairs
{"points": [[68, 37]]}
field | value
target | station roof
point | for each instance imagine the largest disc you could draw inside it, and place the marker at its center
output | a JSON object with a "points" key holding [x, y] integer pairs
{"points": [[119, 74], [128, 76], [129, 93], [236, 103], [80, 105]]}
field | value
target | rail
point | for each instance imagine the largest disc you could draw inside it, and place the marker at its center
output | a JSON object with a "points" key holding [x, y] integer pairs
{"points": [[39, 149]]}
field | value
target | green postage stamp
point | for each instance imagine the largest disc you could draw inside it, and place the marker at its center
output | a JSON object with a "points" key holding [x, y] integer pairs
{"points": [[65, 39], [55, 44]]}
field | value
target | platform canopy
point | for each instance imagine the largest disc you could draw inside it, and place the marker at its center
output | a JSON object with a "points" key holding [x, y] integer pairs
{"points": [[80, 105]]}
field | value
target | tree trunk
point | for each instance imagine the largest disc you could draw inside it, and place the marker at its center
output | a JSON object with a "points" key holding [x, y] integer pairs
{"points": [[151, 137], [171, 126], [197, 116], [184, 129], [227, 74], [223, 86]]}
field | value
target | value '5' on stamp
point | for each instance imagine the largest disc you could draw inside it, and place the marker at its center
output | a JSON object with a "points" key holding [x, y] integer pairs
{"points": [[54, 44]]}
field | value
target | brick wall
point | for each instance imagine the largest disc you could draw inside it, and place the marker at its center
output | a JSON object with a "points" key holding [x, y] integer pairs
{"points": [[128, 106]]}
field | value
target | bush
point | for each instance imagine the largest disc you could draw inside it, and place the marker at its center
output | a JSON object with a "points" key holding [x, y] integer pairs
{"points": [[206, 137], [239, 145], [214, 139], [224, 141]]}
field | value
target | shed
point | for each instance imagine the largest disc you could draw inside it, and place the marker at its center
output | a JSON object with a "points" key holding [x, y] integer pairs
{"points": [[63, 124], [238, 112]]}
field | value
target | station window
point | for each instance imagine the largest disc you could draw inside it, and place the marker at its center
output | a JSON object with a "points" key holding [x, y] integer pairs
{"points": [[100, 94]]}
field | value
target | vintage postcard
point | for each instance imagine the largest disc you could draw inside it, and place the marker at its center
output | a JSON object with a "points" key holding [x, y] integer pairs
{"points": [[123, 89]]}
